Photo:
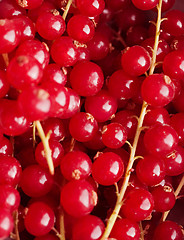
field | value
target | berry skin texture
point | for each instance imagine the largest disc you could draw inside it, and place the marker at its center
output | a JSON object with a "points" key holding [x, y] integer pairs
{"points": [[107, 169], [40, 219], [125, 229], [6, 223], [80, 28], [86, 78], [138, 205], [145, 4], [160, 139], [64, 52], [168, 230], [114, 135], [90, 8], [29, 4], [158, 90], [75, 165], [150, 170], [135, 60], [4, 84], [88, 228], [78, 198]]}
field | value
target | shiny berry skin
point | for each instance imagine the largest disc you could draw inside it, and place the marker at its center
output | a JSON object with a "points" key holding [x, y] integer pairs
{"points": [[135, 60], [164, 198], [50, 25], [178, 124], [174, 162], [9, 8], [57, 127], [37, 176], [138, 205], [145, 4], [6, 223], [114, 135], [78, 198], [26, 26], [98, 46], [10, 171], [136, 35], [10, 36], [90, 8], [29, 4], [102, 106], [86, 78], [24, 71], [174, 23], [160, 139], [4, 84], [121, 85], [168, 230], [57, 153], [75, 165], [107, 169], [6, 147], [64, 52], [88, 228], [150, 170], [156, 115], [80, 28], [128, 120], [158, 90], [9, 198], [36, 49], [83, 126], [39, 219], [54, 74], [39, 105], [125, 229], [176, 70]]}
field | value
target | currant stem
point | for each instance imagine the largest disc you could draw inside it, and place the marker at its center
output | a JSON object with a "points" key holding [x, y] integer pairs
{"points": [[176, 193], [16, 225], [6, 59], [34, 135], [45, 141], [67, 9], [118, 205], [62, 226]]}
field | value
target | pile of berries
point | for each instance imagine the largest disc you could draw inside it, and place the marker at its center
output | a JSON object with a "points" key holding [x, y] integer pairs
{"points": [[91, 120]]}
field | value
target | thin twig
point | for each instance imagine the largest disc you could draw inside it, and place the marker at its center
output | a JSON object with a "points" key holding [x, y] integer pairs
{"points": [[16, 221], [118, 205], [6, 59], [61, 225], [45, 141], [67, 9]]}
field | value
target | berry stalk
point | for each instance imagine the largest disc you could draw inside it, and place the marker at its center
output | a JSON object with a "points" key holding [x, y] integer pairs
{"points": [[67, 9], [120, 195]]}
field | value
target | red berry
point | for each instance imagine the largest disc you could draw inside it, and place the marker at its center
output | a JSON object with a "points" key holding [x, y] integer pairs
{"points": [[90, 8], [6, 223], [145, 4]]}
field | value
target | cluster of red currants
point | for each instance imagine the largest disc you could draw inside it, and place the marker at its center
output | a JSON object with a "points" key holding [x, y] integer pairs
{"points": [[91, 119]]}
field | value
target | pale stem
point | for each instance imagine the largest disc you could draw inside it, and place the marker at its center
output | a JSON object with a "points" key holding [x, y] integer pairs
{"points": [[45, 141], [132, 158], [176, 193], [142, 231], [6, 59], [62, 226], [34, 135], [67, 9], [16, 221]]}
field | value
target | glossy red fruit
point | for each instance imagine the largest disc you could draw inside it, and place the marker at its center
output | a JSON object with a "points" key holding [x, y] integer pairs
{"points": [[9, 8], [4, 84], [168, 230], [107, 169], [29, 4], [6, 223], [39, 219], [80, 28], [114, 135], [75, 165], [86, 78], [88, 228], [50, 25], [102, 105], [164, 198], [157, 90], [121, 85], [37, 176], [10, 171], [150, 170], [6, 147], [125, 229], [145, 4], [64, 52], [138, 205], [135, 60], [78, 198], [90, 8], [160, 139]]}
